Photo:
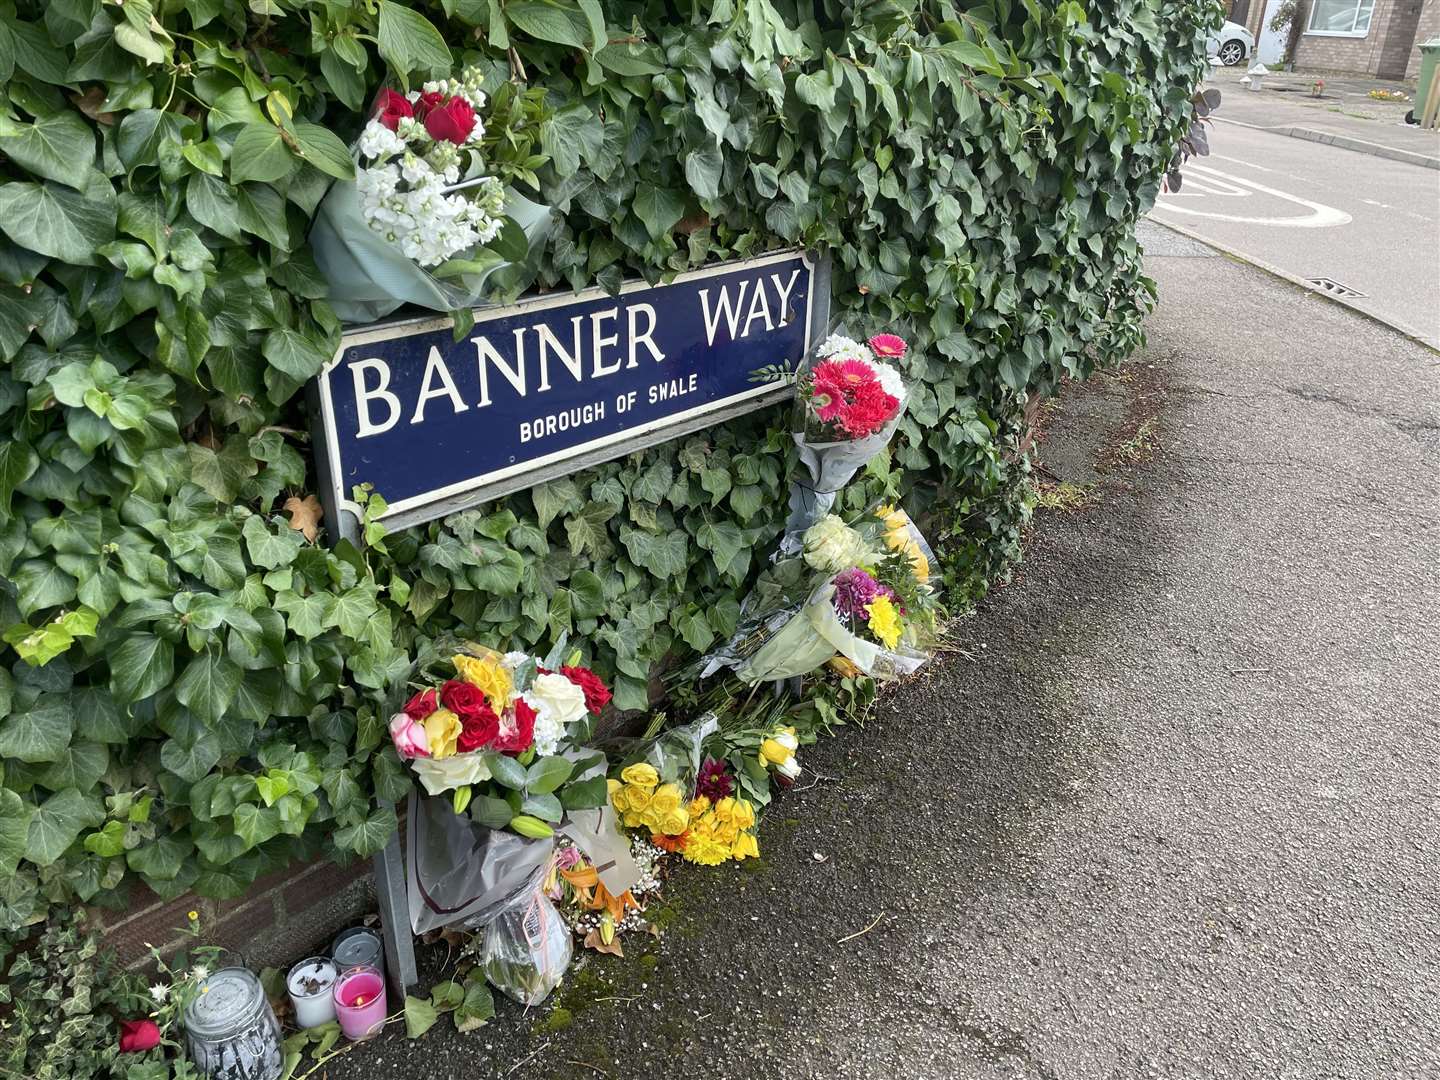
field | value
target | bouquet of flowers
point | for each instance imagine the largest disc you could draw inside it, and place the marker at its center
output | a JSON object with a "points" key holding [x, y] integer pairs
{"points": [[859, 592], [506, 735], [413, 153], [425, 219], [849, 400]]}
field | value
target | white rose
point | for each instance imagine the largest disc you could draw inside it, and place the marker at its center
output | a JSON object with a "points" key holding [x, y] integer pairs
{"points": [[558, 696], [437, 777]]}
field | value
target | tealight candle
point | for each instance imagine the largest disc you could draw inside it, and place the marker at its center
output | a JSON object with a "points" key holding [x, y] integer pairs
{"points": [[359, 946], [360, 1003], [311, 984]]}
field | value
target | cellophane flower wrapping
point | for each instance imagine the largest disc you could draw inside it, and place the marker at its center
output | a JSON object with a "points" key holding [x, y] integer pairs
{"points": [[418, 223], [850, 396], [527, 949], [861, 593]]}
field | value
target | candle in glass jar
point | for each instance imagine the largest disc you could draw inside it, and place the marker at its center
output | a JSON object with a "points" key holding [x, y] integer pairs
{"points": [[356, 947], [360, 1003], [311, 984]]}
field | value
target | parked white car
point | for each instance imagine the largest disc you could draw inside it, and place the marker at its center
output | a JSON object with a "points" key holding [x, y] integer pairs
{"points": [[1232, 43]]}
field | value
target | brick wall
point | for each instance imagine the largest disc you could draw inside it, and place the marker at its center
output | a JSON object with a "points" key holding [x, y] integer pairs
{"points": [[284, 917], [1361, 56], [1428, 29]]}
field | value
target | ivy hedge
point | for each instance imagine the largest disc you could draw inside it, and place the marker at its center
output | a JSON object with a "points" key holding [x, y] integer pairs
{"points": [[189, 687]]}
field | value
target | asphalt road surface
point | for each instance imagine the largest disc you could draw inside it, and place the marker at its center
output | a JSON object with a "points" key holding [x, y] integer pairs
{"points": [[1169, 807], [1368, 223]]}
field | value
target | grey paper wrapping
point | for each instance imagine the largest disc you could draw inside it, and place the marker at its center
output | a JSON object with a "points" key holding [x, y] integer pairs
{"points": [[370, 278]]}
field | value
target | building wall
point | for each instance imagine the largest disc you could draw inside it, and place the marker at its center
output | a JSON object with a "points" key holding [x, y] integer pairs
{"points": [[1361, 56], [1428, 29]]}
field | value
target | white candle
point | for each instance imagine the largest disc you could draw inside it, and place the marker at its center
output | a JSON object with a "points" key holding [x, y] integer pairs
{"points": [[311, 984]]}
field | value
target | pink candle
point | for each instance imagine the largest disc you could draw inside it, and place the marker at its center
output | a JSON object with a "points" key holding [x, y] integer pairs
{"points": [[360, 1003]]}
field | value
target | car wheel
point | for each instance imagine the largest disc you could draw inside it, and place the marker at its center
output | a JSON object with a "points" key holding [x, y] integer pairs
{"points": [[1232, 52]]}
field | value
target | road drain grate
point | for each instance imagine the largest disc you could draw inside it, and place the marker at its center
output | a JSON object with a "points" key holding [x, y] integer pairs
{"points": [[1334, 288]]}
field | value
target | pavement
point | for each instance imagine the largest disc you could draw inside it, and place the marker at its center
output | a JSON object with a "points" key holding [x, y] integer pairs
{"points": [[1343, 113], [1369, 225], [1168, 805]]}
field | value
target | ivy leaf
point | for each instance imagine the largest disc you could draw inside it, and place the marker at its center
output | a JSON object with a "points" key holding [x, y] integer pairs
{"points": [[142, 665], [256, 824], [570, 135], [39, 733], [80, 767], [323, 149], [269, 550], [160, 860], [15, 815], [420, 1016], [702, 171], [294, 353], [659, 209], [57, 221], [370, 835], [260, 154], [191, 759], [18, 463], [208, 685], [665, 555], [57, 147], [544, 22], [555, 498], [42, 584], [409, 41], [587, 594], [57, 822], [587, 531], [477, 1008]]}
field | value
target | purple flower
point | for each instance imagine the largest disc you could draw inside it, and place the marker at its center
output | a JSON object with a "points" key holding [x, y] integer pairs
{"points": [[855, 591], [713, 782]]}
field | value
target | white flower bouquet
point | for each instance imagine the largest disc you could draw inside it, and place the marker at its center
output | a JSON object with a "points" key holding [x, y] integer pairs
{"points": [[425, 220]]}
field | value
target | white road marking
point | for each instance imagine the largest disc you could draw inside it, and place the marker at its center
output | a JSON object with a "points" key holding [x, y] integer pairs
{"points": [[1320, 216], [1237, 161]]}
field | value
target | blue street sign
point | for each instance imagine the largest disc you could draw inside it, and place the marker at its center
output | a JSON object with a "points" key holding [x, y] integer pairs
{"points": [[554, 384]]}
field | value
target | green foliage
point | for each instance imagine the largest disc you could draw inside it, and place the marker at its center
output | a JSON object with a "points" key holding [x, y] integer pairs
{"points": [[60, 1000], [974, 174]]}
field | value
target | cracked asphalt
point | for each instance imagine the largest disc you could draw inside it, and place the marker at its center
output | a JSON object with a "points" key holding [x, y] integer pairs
{"points": [[1169, 807]]}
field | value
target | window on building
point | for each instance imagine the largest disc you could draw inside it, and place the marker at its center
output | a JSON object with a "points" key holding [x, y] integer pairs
{"points": [[1349, 18]]}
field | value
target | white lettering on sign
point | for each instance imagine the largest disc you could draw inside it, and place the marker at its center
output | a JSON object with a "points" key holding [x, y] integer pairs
{"points": [[435, 365], [364, 395], [637, 338], [550, 343], [515, 376], [564, 420], [673, 388], [600, 341], [731, 311], [723, 307]]}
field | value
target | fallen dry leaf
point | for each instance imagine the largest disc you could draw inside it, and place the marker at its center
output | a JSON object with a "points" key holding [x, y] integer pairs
{"points": [[305, 515], [594, 941], [89, 103]]}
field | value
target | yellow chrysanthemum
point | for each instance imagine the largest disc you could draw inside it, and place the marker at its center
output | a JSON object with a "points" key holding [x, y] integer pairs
{"points": [[705, 850], [442, 729], [884, 621], [698, 806], [640, 775], [492, 677]]}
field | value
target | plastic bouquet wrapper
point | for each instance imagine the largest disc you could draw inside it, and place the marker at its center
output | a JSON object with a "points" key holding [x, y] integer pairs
{"points": [[849, 400], [857, 592], [426, 221], [527, 948]]}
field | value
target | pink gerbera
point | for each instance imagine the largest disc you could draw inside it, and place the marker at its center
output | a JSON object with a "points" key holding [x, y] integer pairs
{"points": [[854, 372], [887, 345]]}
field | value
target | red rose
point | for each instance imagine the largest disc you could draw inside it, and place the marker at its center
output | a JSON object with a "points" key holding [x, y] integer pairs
{"points": [[597, 695], [421, 705], [518, 739], [137, 1036], [452, 122], [390, 107], [478, 722], [427, 101]]}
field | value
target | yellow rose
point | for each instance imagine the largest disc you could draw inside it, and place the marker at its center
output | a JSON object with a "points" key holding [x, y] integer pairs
{"points": [[641, 775], [675, 823], [666, 799], [775, 752], [490, 676], [442, 728], [637, 799], [632, 820], [744, 815], [620, 797], [895, 520], [746, 847]]}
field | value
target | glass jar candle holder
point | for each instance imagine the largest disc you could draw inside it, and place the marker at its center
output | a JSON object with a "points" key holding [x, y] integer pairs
{"points": [[360, 1002], [230, 1030], [311, 984], [358, 947]]}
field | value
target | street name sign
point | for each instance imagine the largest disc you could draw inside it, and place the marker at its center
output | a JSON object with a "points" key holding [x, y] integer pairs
{"points": [[554, 384]]}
